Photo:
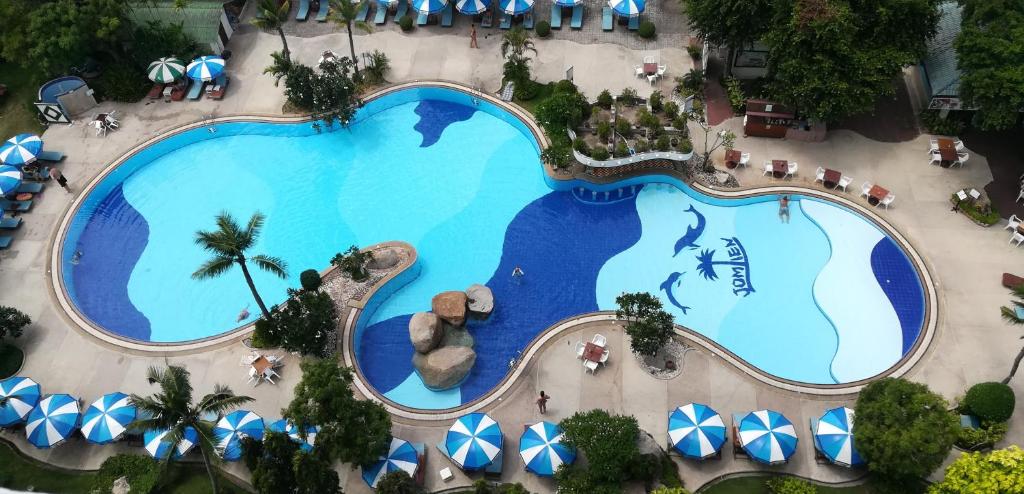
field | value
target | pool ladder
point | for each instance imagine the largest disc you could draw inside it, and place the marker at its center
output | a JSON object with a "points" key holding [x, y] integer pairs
{"points": [[207, 119], [476, 100]]}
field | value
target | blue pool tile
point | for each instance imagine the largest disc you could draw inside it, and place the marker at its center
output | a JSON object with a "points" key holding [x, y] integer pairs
{"points": [[898, 279]]}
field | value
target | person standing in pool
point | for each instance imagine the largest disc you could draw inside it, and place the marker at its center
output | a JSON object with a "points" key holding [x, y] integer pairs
{"points": [[784, 209], [517, 275]]}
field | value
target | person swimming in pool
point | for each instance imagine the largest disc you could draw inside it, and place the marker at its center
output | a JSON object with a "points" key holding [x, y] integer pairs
{"points": [[244, 314], [784, 209]]}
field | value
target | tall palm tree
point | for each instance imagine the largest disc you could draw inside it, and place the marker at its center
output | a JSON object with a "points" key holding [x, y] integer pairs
{"points": [[344, 14], [1010, 316], [228, 244], [270, 17], [515, 44], [172, 409], [279, 68]]}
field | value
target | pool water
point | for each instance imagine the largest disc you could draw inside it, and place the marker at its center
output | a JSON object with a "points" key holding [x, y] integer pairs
{"points": [[825, 298]]}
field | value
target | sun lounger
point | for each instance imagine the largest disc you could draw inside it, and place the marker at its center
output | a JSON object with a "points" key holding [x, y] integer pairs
{"points": [[606, 19], [196, 91], [634, 23], [421, 19], [506, 21], [577, 17], [220, 85], [156, 91], [10, 223], [528, 20], [53, 156], [18, 206], [38, 174], [443, 449], [493, 471], [364, 12], [178, 93], [380, 15], [556, 16], [421, 463], [508, 91], [403, 8], [303, 12], [447, 15], [5, 241], [487, 19], [30, 188], [321, 15]]}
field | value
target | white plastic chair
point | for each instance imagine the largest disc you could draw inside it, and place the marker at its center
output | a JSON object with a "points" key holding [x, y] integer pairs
{"points": [[974, 194], [639, 70], [865, 188], [843, 182], [934, 148], [590, 366], [579, 349], [1016, 237], [767, 168], [791, 169], [887, 201], [959, 145], [101, 130], [599, 340], [744, 159], [936, 159], [1013, 223], [652, 78], [819, 175], [661, 70], [446, 474], [604, 357], [961, 159]]}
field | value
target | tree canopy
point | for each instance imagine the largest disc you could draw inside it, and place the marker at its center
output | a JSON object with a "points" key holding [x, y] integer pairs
{"points": [[608, 441], [12, 322], [998, 472], [729, 22], [990, 55]]}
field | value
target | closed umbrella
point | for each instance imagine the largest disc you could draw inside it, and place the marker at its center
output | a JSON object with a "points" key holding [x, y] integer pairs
{"points": [[158, 447], [10, 179], [627, 8], [428, 6], [19, 395], [401, 456], [286, 427], [473, 441], [52, 421], [108, 418], [768, 436], [696, 430], [205, 68], [234, 426], [515, 7], [472, 7], [21, 149], [166, 70], [834, 437], [542, 449]]}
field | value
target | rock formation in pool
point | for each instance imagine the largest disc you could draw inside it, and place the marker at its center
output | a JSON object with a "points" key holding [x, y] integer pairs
{"points": [[444, 349]]}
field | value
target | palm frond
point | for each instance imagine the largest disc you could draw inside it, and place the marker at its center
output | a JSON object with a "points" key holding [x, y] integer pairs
{"points": [[270, 264], [1010, 315], [706, 266], [251, 233], [221, 402], [217, 242], [213, 268], [364, 26]]}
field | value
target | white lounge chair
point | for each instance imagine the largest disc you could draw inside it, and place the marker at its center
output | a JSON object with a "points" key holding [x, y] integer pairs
{"points": [[844, 181], [744, 159], [599, 340], [1013, 222], [975, 195], [936, 159], [887, 200], [865, 188], [819, 175], [791, 169], [1016, 237]]}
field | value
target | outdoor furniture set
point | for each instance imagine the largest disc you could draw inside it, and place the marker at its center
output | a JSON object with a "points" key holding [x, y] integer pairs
{"points": [[947, 152], [262, 367], [593, 352]]}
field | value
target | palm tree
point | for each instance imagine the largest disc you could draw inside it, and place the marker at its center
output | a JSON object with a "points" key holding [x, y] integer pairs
{"points": [[228, 244], [1010, 316], [172, 409], [279, 68], [271, 17], [514, 45], [344, 14]]}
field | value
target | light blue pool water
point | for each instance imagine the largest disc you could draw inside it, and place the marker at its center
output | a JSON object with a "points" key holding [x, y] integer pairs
{"points": [[826, 298]]}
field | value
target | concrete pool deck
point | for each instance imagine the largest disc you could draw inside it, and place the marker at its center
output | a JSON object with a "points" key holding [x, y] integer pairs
{"points": [[971, 342]]}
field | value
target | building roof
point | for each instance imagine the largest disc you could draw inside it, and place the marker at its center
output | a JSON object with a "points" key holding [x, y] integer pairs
{"points": [[940, 64], [200, 19]]}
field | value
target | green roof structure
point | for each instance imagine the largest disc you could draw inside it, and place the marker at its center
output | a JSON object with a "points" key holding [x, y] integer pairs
{"points": [[940, 65]]}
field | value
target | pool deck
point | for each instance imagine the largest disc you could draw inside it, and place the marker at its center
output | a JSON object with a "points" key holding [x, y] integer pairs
{"points": [[971, 343]]}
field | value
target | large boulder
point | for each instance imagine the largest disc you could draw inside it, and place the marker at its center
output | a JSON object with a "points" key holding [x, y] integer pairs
{"points": [[450, 306], [445, 367], [383, 259], [456, 336], [425, 331], [480, 301]]}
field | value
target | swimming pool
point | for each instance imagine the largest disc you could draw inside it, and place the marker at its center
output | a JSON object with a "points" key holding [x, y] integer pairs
{"points": [[827, 298]]}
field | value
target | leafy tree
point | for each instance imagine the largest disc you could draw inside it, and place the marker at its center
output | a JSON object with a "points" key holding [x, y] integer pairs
{"points": [[515, 46], [1010, 316], [637, 306], [142, 473], [12, 322], [314, 475], [559, 156], [608, 441], [790, 485], [303, 324], [574, 479], [992, 402], [172, 409], [153, 40], [334, 94], [998, 472], [650, 334], [397, 482], [228, 244], [310, 280], [990, 53], [562, 110], [51, 37], [344, 14], [353, 261], [729, 22], [670, 490], [605, 100], [904, 430], [273, 471], [271, 17], [298, 83], [352, 431]]}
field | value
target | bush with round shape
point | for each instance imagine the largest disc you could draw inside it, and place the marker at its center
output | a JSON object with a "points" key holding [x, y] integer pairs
{"points": [[663, 143], [991, 401], [405, 23], [599, 153], [671, 110], [646, 30], [623, 127], [543, 29], [581, 146], [621, 151], [604, 100], [604, 130], [310, 280], [142, 473], [397, 482], [685, 146]]}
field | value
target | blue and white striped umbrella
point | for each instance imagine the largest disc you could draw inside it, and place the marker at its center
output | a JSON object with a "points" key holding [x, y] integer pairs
{"points": [[515, 7], [401, 456], [834, 437], [428, 6], [21, 395], [205, 68], [232, 428], [696, 430], [287, 427], [10, 179], [21, 149], [159, 448], [107, 418], [473, 7], [542, 449], [473, 441], [627, 8], [768, 436], [53, 419], [569, 3]]}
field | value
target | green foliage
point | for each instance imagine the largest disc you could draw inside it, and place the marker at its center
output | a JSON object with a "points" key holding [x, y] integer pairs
{"points": [[605, 100], [641, 146], [121, 82], [728, 22], [990, 401], [648, 121], [691, 82], [685, 146], [12, 322], [298, 86], [274, 472], [985, 436], [156, 39], [621, 150], [604, 130], [663, 143], [671, 110], [572, 479], [527, 90], [608, 441], [142, 473], [650, 334], [656, 101], [406, 23], [566, 108], [377, 67], [334, 94], [353, 262], [933, 121], [670, 474], [790, 485], [351, 431], [628, 96], [558, 156], [314, 475], [903, 429], [303, 324], [646, 468], [998, 472], [310, 280], [646, 30], [679, 123], [252, 451], [515, 48], [600, 153], [981, 211], [397, 482], [623, 128], [695, 52], [990, 54], [735, 91], [581, 146], [543, 29]]}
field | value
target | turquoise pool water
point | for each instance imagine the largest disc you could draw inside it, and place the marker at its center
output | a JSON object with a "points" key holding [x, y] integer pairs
{"points": [[826, 298]]}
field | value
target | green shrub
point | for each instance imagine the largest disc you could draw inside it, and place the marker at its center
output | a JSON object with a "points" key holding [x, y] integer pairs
{"points": [[397, 482], [526, 91], [952, 125], [646, 120], [543, 29], [628, 96], [604, 130], [605, 100], [558, 155], [405, 23], [735, 91], [663, 143], [623, 127], [656, 101], [790, 485], [696, 52], [378, 65], [265, 335], [581, 146], [353, 262], [685, 146], [121, 82], [991, 401], [302, 324], [679, 123], [141, 471], [621, 151], [670, 475], [310, 280], [642, 146], [671, 110], [565, 86], [646, 30], [984, 437], [984, 212], [599, 153]]}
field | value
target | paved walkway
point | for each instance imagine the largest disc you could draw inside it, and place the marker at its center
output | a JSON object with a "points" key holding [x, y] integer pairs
{"points": [[972, 344]]}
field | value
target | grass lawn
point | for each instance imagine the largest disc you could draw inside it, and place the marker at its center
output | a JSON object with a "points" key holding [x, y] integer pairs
{"points": [[193, 480], [755, 485], [543, 92], [17, 114], [10, 359]]}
